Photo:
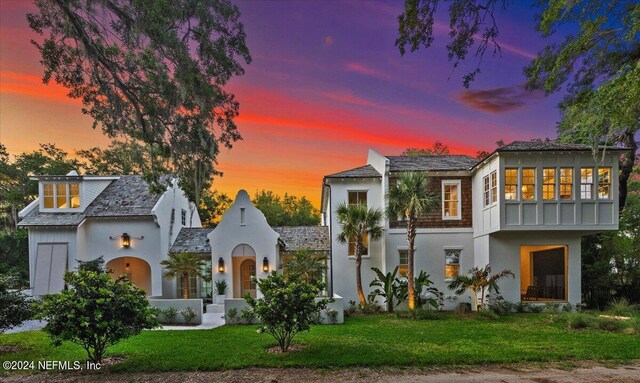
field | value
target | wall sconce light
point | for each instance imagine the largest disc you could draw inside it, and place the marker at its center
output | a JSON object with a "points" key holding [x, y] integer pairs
{"points": [[221, 265], [265, 265], [125, 240]]}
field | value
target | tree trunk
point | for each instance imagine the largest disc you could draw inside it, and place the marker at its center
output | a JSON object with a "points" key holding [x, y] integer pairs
{"points": [[358, 250], [626, 164], [411, 236], [474, 303], [185, 285]]}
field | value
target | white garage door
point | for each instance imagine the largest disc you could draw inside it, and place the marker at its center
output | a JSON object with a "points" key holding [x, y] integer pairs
{"points": [[51, 263]]}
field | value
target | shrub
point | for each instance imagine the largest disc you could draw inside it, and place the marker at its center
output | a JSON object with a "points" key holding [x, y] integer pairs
{"points": [[535, 308], [486, 315], [221, 286], [386, 286], [232, 316], [188, 314], [286, 308], [169, 315], [352, 309], [610, 324], [579, 321], [551, 308], [425, 293], [247, 315], [500, 306], [15, 308], [371, 308], [332, 316], [568, 308], [425, 314], [96, 311], [621, 307]]}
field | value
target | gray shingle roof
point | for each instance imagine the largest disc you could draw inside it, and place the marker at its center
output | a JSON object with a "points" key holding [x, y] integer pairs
{"points": [[128, 196], [305, 237], [539, 145], [192, 240], [366, 171], [425, 163]]}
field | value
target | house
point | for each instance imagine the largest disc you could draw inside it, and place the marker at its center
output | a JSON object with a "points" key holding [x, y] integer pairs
{"points": [[524, 208]]}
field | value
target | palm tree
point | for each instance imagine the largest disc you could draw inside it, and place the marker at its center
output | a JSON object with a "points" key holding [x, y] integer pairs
{"points": [[307, 265], [359, 222], [409, 198], [183, 264], [479, 279]]}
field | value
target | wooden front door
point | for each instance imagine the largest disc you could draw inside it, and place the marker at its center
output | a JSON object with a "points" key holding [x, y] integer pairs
{"points": [[247, 278]]}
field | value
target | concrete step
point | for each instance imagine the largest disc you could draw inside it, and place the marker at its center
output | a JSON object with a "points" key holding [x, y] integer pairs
{"points": [[215, 308]]}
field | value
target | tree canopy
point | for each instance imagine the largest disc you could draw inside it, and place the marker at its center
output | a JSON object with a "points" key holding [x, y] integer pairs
{"points": [[438, 149], [286, 211], [153, 71]]}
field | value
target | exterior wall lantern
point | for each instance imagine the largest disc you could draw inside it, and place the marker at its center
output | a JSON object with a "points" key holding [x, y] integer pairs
{"points": [[221, 265], [265, 265], [125, 240]]}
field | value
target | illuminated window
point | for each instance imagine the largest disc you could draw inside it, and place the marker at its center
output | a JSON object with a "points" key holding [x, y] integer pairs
{"points": [[549, 183], [452, 263], [511, 184], [61, 196], [74, 195], [403, 262], [451, 200], [604, 183], [494, 186], [47, 193], [586, 183], [566, 183], [528, 184], [358, 197]]}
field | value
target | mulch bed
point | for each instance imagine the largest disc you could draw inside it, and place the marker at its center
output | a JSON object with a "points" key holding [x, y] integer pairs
{"points": [[292, 348]]}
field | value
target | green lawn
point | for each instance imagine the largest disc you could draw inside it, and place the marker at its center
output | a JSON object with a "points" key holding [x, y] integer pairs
{"points": [[380, 340]]}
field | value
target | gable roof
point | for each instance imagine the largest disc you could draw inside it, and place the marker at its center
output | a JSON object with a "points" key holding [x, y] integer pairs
{"points": [[128, 196], [305, 237], [539, 145], [192, 240], [426, 163], [366, 171]]}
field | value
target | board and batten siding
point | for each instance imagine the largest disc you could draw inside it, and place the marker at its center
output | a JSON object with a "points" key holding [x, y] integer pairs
{"points": [[50, 236]]}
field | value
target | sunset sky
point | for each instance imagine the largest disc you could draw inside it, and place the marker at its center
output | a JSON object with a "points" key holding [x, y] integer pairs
{"points": [[326, 84]]}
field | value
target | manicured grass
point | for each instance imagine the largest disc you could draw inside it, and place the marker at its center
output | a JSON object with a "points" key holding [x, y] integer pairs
{"points": [[380, 340]]}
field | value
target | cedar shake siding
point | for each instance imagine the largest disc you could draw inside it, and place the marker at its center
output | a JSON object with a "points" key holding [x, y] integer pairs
{"points": [[434, 218]]}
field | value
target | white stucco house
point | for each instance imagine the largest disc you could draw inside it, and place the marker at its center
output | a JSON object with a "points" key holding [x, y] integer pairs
{"points": [[523, 208]]}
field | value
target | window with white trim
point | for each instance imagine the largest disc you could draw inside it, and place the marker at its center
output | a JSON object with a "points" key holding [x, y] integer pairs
{"points": [[355, 197], [566, 183], [60, 195], [452, 263], [586, 183], [528, 184], [511, 184], [451, 204], [604, 183], [183, 217], [549, 183], [490, 183], [403, 262], [486, 191]]}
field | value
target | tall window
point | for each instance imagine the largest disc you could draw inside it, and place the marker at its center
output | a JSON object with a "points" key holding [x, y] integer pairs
{"points": [[61, 195], [452, 263], [403, 262], [490, 188], [528, 184], [511, 184], [451, 200], [183, 217], [358, 197], [566, 183], [586, 183], [549, 183], [604, 183]]}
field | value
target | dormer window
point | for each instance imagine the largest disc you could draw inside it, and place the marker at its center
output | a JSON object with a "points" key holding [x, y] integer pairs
{"points": [[61, 195]]}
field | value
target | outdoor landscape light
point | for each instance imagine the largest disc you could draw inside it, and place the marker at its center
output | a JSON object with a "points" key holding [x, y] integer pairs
{"points": [[126, 266], [221, 265], [265, 265], [125, 240]]}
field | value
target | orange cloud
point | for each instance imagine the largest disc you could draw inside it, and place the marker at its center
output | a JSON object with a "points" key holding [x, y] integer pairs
{"points": [[366, 70], [32, 86]]}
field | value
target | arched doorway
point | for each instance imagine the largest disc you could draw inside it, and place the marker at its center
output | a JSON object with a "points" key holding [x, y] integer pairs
{"points": [[134, 269], [248, 277]]}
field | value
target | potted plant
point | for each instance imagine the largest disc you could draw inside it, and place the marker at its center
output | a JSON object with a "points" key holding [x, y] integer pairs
{"points": [[221, 288]]}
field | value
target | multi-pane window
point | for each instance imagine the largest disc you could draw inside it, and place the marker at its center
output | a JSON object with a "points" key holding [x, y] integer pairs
{"points": [[354, 198], [604, 183], [511, 184], [549, 183], [490, 188], [403, 262], [566, 183], [47, 194], [183, 217], [586, 183], [61, 195], [452, 263], [528, 184], [451, 200]]}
